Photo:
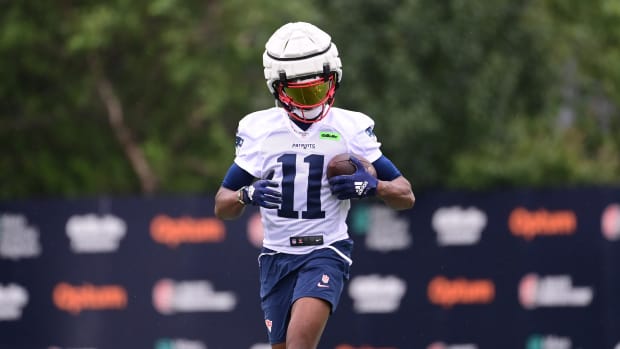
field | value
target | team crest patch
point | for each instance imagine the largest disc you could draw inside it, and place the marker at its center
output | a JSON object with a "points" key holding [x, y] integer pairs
{"points": [[268, 323], [370, 132], [238, 141], [334, 136]]}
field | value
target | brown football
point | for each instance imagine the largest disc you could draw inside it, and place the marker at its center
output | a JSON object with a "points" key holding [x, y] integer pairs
{"points": [[342, 165]]}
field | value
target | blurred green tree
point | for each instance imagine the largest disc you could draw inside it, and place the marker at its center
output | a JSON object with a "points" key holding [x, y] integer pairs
{"points": [[471, 94], [126, 97]]}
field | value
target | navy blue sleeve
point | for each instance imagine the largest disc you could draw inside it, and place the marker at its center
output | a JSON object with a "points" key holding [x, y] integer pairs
{"points": [[386, 170], [236, 177]]}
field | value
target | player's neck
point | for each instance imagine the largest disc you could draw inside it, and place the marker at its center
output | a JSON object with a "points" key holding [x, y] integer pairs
{"points": [[302, 125]]}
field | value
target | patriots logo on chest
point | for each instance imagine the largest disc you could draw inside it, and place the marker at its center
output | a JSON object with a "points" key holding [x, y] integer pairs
{"points": [[303, 146]]}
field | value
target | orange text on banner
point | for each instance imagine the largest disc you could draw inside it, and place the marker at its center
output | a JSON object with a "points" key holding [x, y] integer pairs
{"points": [[447, 293], [529, 224], [175, 231], [74, 299]]}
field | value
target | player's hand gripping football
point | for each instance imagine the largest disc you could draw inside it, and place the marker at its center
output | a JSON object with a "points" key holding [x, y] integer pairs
{"points": [[358, 185], [260, 193]]}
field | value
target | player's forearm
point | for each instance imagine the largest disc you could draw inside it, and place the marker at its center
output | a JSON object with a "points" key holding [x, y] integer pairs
{"points": [[227, 205], [396, 193]]}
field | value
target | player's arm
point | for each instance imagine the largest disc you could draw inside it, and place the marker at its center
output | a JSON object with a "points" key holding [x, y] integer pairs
{"points": [[389, 185], [227, 199], [226, 204], [239, 190], [396, 193], [392, 187]]}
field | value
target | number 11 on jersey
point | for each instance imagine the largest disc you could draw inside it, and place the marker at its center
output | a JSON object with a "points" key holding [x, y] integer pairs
{"points": [[313, 199]]}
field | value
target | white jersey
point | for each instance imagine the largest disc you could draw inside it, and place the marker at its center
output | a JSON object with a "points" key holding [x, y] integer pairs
{"points": [[268, 140]]}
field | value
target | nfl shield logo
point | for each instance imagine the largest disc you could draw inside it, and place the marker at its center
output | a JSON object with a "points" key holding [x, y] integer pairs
{"points": [[325, 279], [268, 324]]}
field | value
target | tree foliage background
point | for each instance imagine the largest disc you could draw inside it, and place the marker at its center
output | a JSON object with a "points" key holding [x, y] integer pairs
{"points": [[140, 97]]}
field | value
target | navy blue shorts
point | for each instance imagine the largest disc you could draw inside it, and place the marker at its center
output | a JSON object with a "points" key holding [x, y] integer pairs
{"points": [[284, 278]]}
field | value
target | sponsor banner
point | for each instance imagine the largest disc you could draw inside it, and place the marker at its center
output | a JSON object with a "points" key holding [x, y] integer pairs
{"points": [[255, 230], [92, 233], [261, 346], [348, 346], [537, 341], [528, 224], [459, 226], [383, 229], [186, 230], [610, 222], [533, 269], [77, 298], [442, 345], [18, 239], [376, 293], [179, 343], [13, 298], [552, 291], [171, 297], [450, 292]]}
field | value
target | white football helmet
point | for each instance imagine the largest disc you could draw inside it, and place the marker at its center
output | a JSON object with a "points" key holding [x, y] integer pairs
{"points": [[303, 70]]}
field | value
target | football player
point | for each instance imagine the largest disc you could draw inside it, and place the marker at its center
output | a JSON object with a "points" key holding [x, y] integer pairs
{"points": [[280, 163]]}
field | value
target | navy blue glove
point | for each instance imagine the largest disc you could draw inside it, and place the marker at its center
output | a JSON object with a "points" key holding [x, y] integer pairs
{"points": [[358, 185], [260, 193]]}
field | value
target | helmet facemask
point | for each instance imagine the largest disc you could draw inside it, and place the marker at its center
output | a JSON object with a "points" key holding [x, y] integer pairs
{"points": [[307, 99]]}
